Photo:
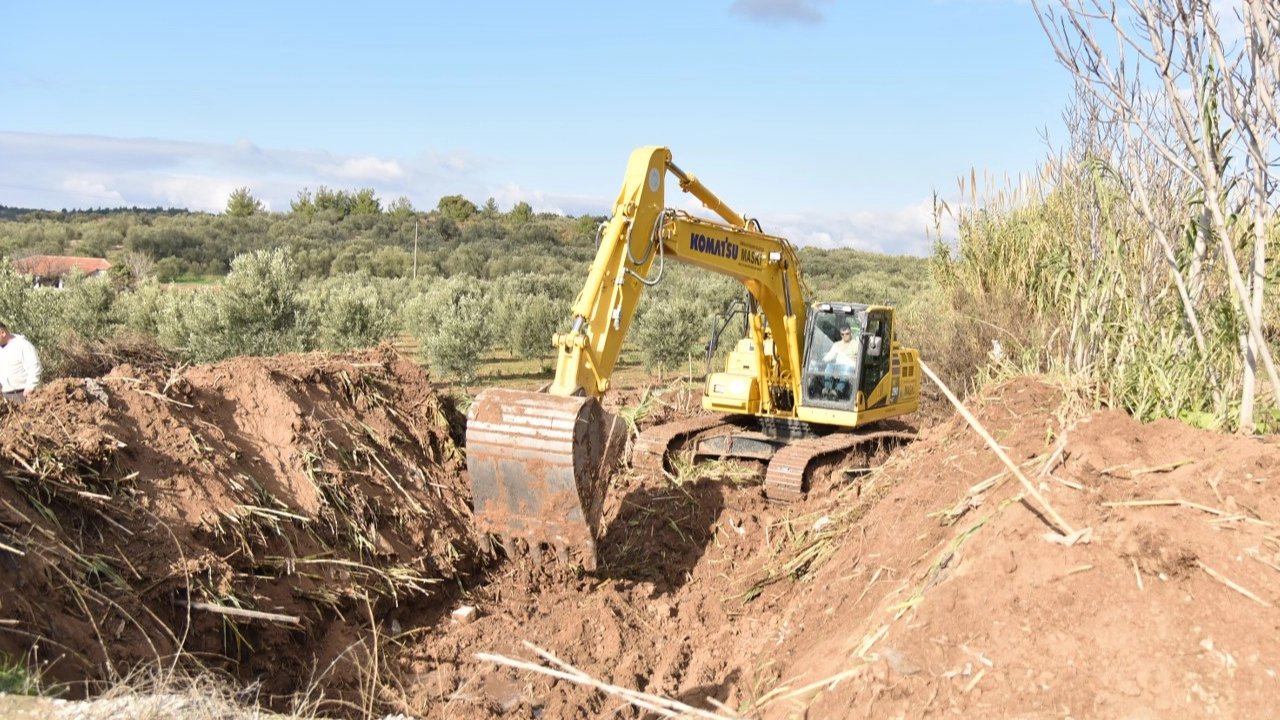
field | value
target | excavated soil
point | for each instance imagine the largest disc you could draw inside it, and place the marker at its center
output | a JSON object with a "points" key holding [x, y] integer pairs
{"points": [[327, 494], [253, 515]]}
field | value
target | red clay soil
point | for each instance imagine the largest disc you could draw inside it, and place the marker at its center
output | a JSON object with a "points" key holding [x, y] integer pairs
{"points": [[140, 509], [912, 595], [329, 488]]}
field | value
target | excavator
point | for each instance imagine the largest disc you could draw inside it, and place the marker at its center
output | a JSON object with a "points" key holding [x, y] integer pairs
{"points": [[804, 382]]}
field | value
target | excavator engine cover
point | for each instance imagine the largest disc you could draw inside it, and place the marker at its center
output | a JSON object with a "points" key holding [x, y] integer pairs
{"points": [[540, 466]]}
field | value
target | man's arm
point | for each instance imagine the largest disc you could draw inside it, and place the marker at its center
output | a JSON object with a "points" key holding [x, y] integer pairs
{"points": [[31, 364]]}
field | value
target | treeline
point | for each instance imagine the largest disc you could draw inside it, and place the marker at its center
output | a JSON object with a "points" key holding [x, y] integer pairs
{"points": [[328, 232], [17, 213], [339, 270], [336, 232]]}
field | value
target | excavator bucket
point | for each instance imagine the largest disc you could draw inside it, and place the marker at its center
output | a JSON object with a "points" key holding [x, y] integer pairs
{"points": [[539, 467]]}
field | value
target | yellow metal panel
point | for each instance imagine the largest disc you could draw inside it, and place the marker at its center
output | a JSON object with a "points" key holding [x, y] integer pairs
{"points": [[731, 392], [823, 416]]}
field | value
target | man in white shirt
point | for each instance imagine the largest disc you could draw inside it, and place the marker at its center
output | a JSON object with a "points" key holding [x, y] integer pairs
{"points": [[842, 364], [19, 366], [844, 351]]}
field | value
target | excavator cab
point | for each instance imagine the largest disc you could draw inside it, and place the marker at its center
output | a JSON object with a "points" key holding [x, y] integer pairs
{"points": [[835, 348]]}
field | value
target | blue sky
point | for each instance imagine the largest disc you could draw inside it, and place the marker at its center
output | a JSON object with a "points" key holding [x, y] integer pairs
{"points": [[831, 121]]}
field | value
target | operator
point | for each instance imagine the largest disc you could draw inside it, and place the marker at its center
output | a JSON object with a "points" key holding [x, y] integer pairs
{"points": [[842, 363], [19, 366], [844, 351]]}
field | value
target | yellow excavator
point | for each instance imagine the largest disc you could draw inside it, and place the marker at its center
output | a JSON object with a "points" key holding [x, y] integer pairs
{"points": [[802, 384]]}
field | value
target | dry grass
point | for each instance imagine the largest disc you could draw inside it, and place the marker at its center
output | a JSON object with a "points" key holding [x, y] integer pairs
{"points": [[95, 358]]}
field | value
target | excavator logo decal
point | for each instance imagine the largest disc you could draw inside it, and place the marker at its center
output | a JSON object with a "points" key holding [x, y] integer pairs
{"points": [[724, 248], [712, 246]]}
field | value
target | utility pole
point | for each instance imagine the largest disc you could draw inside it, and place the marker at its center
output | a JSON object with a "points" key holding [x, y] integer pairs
{"points": [[416, 223]]}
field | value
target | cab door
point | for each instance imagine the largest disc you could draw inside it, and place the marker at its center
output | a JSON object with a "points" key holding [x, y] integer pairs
{"points": [[877, 339]]}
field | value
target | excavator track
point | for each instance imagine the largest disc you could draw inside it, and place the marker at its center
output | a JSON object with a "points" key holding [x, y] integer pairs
{"points": [[649, 453], [784, 480]]}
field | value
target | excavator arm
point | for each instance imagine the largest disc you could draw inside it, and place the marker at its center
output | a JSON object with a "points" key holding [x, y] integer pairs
{"points": [[539, 462], [639, 238]]}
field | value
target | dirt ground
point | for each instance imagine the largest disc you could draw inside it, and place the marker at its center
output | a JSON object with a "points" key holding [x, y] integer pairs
{"points": [[326, 497]]}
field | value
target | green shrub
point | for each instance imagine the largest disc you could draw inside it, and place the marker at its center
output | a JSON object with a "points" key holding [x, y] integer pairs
{"points": [[345, 313], [85, 306], [259, 304], [454, 324], [668, 333], [256, 311], [530, 327]]}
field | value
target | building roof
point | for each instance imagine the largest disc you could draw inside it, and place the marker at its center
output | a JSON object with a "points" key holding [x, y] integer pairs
{"points": [[50, 266]]}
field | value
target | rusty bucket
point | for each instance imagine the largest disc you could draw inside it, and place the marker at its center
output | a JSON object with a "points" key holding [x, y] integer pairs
{"points": [[539, 467]]}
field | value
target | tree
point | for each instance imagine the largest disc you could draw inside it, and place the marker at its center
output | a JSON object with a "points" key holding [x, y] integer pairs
{"points": [[346, 313], [529, 330], [536, 235], [456, 208], [453, 322], [669, 331], [168, 269], [337, 202], [140, 266], [242, 203], [585, 230], [303, 204], [256, 312], [366, 203], [490, 208], [400, 208], [520, 214]]}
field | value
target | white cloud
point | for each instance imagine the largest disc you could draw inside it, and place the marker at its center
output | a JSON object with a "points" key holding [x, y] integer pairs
{"points": [[895, 231], [82, 171], [191, 191], [369, 168], [88, 187]]}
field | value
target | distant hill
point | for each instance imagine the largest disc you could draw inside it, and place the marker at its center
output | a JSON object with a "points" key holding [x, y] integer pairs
{"points": [[16, 213]]}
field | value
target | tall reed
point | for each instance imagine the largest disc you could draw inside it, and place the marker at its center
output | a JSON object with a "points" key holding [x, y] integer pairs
{"points": [[1060, 273]]}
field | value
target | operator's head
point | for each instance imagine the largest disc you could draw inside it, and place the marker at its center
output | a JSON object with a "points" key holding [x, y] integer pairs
{"points": [[846, 333], [4, 335]]}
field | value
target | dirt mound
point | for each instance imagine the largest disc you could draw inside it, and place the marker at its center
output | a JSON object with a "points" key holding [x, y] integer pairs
{"points": [[330, 489], [947, 598], [911, 593], [254, 513]]}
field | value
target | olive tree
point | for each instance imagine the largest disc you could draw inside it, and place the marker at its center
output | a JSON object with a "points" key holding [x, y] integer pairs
{"points": [[345, 313], [453, 323]]}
